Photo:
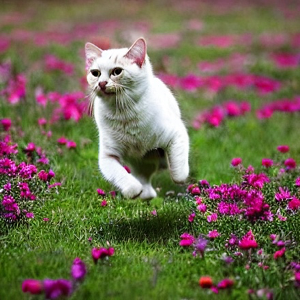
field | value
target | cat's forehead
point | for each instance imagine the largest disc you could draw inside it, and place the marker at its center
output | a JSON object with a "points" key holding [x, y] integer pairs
{"points": [[111, 57]]}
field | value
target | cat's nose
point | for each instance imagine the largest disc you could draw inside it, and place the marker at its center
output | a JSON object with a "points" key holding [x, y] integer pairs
{"points": [[102, 85]]}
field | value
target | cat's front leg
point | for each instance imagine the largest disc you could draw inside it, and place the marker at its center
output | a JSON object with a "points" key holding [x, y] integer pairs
{"points": [[115, 173], [178, 157]]}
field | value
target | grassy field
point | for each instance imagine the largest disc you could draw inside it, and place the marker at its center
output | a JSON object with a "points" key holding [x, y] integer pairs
{"points": [[234, 68]]}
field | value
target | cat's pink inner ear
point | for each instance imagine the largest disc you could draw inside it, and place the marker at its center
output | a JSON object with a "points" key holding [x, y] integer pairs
{"points": [[137, 52], [91, 53]]}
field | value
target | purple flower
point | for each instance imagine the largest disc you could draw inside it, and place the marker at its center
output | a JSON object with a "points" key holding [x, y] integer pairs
{"points": [[200, 246], [78, 269], [57, 288]]}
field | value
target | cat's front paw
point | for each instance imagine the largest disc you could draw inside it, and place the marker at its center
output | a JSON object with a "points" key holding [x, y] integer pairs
{"points": [[132, 191]]}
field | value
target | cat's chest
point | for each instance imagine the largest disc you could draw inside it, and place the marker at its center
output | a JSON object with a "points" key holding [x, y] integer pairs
{"points": [[133, 135]]}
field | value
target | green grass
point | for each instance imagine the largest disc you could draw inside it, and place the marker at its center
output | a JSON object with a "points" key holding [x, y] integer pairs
{"points": [[148, 261]]}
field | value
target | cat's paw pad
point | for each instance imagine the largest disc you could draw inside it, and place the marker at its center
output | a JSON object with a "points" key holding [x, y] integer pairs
{"points": [[133, 191], [148, 192]]}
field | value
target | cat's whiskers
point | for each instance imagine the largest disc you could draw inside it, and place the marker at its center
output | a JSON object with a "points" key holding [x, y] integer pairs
{"points": [[92, 96]]}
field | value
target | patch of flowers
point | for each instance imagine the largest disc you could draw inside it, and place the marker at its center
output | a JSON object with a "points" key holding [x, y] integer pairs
{"points": [[23, 183], [265, 196], [57, 288]]}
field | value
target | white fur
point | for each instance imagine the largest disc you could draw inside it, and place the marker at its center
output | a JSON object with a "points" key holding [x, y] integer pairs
{"points": [[132, 123]]}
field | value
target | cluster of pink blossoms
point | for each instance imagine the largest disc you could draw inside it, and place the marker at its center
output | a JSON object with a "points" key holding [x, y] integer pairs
{"points": [[216, 115], [247, 199], [19, 181]]}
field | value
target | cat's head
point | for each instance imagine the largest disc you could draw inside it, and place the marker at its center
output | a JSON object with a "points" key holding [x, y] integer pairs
{"points": [[111, 71]]}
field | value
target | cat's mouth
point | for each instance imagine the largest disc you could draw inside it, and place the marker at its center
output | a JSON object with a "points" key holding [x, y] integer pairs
{"points": [[106, 92]]}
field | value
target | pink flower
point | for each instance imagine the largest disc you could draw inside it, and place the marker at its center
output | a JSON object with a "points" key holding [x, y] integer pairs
{"points": [[32, 286], [186, 240], [297, 182], [30, 147], [195, 191], [283, 194], [212, 218], [54, 63], [266, 162], [71, 144], [29, 215], [213, 234], [62, 140], [6, 123], [294, 204], [104, 203], [283, 148], [100, 253], [248, 241], [279, 253], [202, 207], [42, 121], [236, 161], [290, 163], [101, 192], [192, 217], [225, 284], [78, 269]]}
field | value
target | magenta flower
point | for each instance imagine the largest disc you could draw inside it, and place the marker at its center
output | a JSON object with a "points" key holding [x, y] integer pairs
{"points": [[297, 182], [71, 144], [248, 241], [186, 240], [103, 203], [225, 284], [57, 288], [283, 148], [192, 217], [29, 215], [236, 161], [290, 163], [78, 269], [213, 234], [100, 253], [42, 121], [62, 140], [32, 286], [212, 218], [266, 162], [294, 204], [100, 192], [279, 253], [6, 123], [283, 194]]}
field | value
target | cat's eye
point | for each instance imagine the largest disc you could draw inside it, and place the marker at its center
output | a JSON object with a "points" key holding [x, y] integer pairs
{"points": [[95, 73], [117, 71]]}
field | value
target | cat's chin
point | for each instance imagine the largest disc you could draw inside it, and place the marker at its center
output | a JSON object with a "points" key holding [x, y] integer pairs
{"points": [[106, 93]]}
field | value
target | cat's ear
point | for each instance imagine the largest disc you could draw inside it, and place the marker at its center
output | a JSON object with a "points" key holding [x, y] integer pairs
{"points": [[137, 52], [91, 53]]}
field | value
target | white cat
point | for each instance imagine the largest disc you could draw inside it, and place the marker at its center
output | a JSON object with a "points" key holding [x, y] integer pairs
{"points": [[138, 119]]}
